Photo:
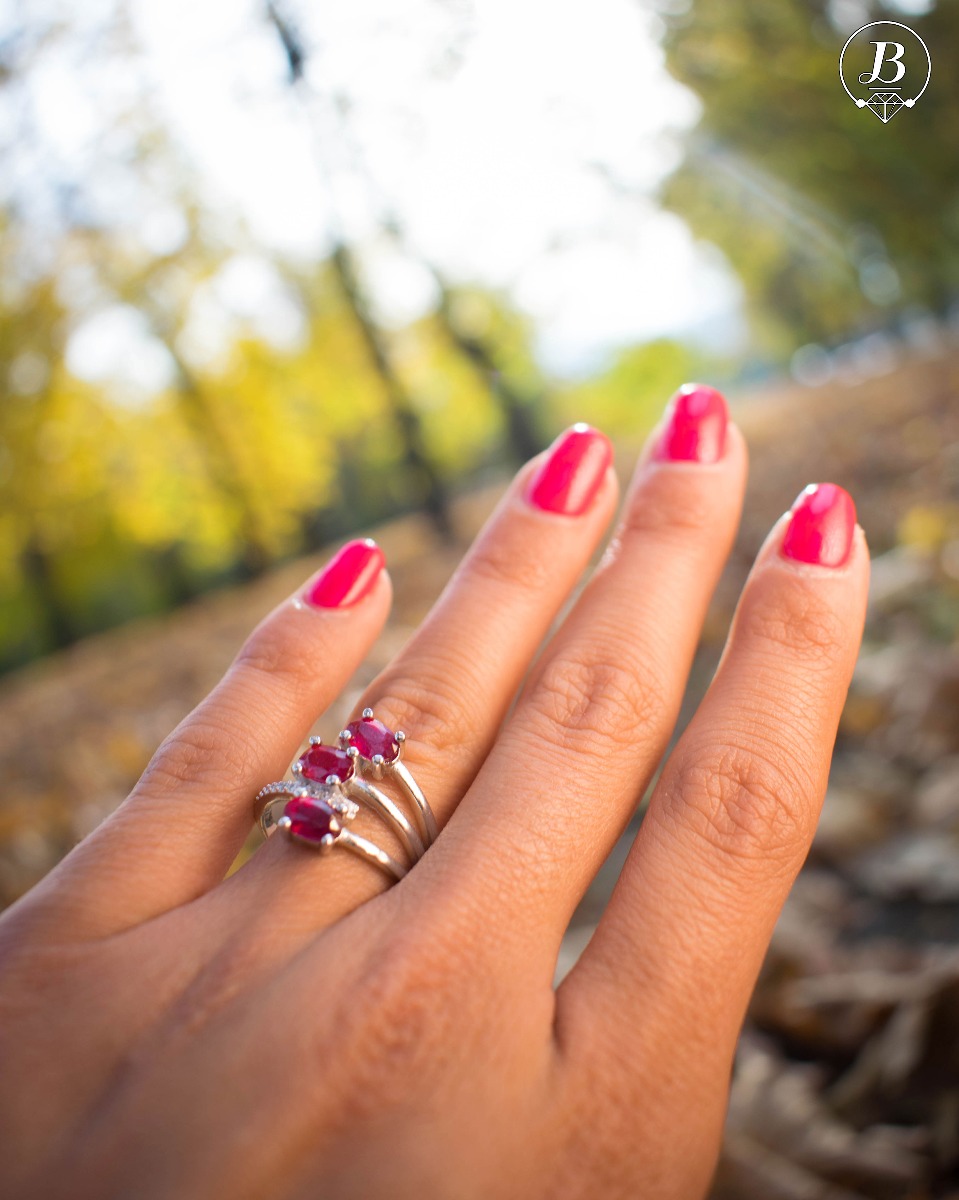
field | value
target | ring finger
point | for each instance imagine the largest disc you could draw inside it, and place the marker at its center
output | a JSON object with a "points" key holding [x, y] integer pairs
{"points": [[596, 715]]}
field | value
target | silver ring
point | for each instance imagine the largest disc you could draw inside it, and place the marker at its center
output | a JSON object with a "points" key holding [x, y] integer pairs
{"points": [[336, 767], [317, 820], [326, 792], [323, 768], [378, 750]]}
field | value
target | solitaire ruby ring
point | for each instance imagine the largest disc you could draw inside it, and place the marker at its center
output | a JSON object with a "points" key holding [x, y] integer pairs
{"points": [[317, 821], [378, 750]]}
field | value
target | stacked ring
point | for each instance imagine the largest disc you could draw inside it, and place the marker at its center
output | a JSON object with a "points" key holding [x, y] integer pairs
{"points": [[379, 749], [317, 821], [328, 789]]}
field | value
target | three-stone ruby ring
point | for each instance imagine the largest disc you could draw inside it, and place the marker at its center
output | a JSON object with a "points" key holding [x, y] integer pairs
{"points": [[328, 789]]}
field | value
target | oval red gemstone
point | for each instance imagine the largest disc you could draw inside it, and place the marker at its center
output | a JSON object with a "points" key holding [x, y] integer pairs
{"points": [[320, 762], [371, 737], [310, 819]]}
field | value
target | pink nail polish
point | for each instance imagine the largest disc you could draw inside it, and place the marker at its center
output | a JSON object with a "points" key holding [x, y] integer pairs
{"points": [[348, 576], [567, 482], [696, 430], [821, 526]]}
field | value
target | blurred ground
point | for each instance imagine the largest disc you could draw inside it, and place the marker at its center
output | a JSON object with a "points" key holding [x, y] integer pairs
{"points": [[848, 1079]]}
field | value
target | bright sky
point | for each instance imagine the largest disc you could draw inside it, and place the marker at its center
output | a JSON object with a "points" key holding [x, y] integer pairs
{"points": [[491, 128]]}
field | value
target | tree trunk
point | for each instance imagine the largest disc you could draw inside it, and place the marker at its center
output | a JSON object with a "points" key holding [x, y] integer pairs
{"points": [[55, 616], [429, 487], [523, 436]]}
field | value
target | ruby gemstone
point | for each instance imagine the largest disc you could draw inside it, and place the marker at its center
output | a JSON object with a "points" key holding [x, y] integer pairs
{"points": [[320, 762], [371, 737], [310, 819]]}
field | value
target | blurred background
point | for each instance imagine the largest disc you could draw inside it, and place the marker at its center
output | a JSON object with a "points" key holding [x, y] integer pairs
{"points": [[272, 274]]}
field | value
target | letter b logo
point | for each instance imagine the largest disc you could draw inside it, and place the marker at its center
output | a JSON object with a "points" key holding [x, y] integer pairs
{"points": [[895, 60]]}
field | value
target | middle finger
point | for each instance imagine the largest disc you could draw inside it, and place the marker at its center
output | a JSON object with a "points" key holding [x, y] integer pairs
{"points": [[595, 717]]}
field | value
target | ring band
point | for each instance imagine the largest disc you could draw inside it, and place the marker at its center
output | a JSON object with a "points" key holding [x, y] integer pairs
{"points": [[346, 792], [272, 799], [316, 821]]}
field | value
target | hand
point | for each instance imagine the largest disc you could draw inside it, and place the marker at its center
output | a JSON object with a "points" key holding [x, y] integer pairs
{"points": [[302, 1029]]}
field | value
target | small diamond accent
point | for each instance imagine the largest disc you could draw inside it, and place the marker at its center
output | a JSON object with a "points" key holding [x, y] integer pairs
{"points": [[325, 793], [277, 789]]}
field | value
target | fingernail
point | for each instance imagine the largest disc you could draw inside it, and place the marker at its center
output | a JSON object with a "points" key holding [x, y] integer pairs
{"points": [[821, 526], [696, 429], [569, 479], [348, 576]]}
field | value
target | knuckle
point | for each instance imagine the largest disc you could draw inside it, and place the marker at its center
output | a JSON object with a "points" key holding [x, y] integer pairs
{"points": [[746, 805], [796, 620], [506, 561], [410, 1016], [195, 751], [424, 706], [275, 652], [579, 700], [668, 510]]}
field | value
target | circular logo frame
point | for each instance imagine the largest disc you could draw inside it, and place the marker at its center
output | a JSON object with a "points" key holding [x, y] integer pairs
{"points": [[858, 100]]}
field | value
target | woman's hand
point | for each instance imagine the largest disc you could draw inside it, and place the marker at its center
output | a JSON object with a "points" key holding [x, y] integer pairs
{"points": [[301, 1029]]}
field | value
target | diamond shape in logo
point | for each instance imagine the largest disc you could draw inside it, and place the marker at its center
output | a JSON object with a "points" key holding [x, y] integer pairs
{"points": [[885, 105]]}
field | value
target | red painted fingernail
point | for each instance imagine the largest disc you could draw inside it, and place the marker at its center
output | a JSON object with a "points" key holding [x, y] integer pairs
{"points": [[821, 526], [696, 431], [348, 576], [569, 479]]}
